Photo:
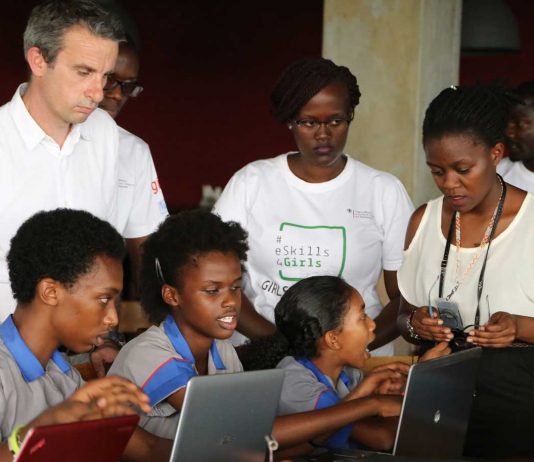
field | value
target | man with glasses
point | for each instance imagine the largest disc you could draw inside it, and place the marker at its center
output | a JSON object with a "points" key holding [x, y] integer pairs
{"points": [[141, 206], [122, 84]]}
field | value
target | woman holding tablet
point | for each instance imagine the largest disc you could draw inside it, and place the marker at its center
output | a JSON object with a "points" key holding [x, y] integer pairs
{"points": [[469, 264]]}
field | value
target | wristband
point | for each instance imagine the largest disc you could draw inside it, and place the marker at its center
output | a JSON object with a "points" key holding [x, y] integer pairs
{"points": [[13, 442], [411, 331]]}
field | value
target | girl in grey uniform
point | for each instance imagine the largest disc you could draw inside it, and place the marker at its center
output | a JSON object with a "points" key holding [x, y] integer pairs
{"points": [[322, 339], [190, 289]]}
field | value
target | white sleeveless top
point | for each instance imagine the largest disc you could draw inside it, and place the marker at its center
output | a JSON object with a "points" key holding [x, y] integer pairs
{"points": [[509, 275]]}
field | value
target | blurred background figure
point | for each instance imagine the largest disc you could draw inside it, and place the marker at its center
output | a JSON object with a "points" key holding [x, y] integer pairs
{"points": [[518, 168]]}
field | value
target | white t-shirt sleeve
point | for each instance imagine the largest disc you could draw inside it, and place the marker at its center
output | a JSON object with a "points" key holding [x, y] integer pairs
{"points": [[395, 210], [148, 208], [237, 198], [235, 204]]}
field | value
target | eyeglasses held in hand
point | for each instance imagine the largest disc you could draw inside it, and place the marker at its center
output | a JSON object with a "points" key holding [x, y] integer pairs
{"points": [[128, 87]]}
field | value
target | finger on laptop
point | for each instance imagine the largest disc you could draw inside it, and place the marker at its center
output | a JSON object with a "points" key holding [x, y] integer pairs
{"points": [[395, 366], [385, 381], [112, 391]]}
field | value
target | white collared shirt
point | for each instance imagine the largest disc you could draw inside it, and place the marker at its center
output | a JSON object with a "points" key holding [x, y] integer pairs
{"points": [[141, 206], [36, 174]]}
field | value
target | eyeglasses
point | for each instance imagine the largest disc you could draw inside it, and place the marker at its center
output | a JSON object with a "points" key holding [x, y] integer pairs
{"points": [[314, 124], [128, 87]]}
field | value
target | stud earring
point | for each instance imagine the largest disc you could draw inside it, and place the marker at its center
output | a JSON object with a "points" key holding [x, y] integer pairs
{"points": [[290, 126]]}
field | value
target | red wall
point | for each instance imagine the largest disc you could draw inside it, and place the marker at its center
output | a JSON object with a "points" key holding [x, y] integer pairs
{"points": [[207, 68], [513, 68]]}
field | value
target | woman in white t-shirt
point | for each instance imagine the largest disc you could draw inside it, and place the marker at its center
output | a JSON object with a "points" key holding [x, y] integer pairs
{"points": [[317, 211], [470, 255]]}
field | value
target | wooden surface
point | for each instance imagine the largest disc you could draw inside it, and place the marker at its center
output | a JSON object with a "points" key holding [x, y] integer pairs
{"points": [[132, 317], [86, 370]]}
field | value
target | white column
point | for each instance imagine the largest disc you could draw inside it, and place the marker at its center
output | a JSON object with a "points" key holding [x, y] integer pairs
{"points": [[403, 52]]}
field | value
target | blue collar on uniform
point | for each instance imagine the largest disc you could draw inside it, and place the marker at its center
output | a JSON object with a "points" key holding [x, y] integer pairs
{"points": [[182, 348], [328, 398], [321, 377], [29, 365]]}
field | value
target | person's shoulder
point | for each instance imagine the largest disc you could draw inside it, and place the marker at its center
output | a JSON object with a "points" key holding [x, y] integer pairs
{"points": [[262, 166], [7, 123], [250, 180], [5, 354], [505, 165], [293, 367], [373, 174], [419, 212], [9, 370], [289, 362], [142, 352], [416, 219], [99, 124], [131, 145], [128, 137], [154, 338], [378, 181], [521, 203], [4, 109], [298, 377]]}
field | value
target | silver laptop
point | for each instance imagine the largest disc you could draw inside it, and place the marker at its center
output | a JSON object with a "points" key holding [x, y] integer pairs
{"points": [[435, 411], [226, 417]]}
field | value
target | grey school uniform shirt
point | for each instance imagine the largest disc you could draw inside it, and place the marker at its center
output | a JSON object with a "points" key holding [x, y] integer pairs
{"points": [[160, 362], [306, 389], [26, 388]]}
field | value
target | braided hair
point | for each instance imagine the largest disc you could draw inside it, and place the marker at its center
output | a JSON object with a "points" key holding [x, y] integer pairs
{"points": [[479, 111], [303, 79], [306, 311]]}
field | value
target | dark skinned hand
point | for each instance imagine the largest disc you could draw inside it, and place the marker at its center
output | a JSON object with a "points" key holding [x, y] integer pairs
{"points": [[499, 332], [430, 328]]}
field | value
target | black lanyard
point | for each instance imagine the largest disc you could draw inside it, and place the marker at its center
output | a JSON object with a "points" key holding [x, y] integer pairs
{"points": [[482, 271]]}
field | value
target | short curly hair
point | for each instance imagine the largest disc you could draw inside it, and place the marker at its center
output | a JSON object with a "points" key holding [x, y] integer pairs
{"points": [[61, 244], [303, 79], [178, 240], [306, 311]]}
